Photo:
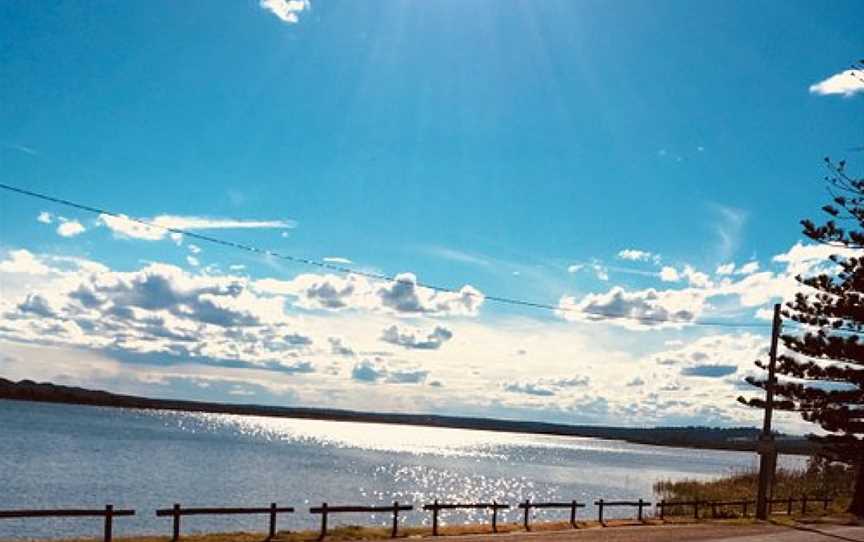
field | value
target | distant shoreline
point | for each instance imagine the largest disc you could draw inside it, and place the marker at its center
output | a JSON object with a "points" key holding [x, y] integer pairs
{"points": [[711, 438]]}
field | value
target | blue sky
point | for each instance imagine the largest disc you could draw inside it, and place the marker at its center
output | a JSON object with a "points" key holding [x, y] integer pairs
{"points": [[610, 157]]}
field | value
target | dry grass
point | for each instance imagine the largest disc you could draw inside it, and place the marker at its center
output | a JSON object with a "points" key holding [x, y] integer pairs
{"points": [[818, 479]]}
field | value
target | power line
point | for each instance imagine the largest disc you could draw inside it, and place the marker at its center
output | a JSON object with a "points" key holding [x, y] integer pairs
{"points": [[375, 276]]}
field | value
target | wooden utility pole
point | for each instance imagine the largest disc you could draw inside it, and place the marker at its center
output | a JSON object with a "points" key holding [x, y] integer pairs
{"points": [[767, 448]]}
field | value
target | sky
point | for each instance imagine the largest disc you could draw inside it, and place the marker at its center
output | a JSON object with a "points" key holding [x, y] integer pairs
{"points": [[645, 159]]}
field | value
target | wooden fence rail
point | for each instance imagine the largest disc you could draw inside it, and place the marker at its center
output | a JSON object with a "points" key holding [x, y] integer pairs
{"points": [[804, 500], [326, 509], [177, 512], [601, 504], [437, 507], [528, 505], [109, 513], [663, 505]]}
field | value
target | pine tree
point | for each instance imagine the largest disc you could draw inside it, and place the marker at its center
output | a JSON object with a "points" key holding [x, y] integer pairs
{"points": [[821, 372]]}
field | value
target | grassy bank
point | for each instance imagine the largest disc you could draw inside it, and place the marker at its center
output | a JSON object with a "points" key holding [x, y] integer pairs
{"points": [[818, 479]]}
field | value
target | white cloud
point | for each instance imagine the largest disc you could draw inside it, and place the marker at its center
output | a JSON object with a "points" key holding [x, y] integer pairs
{"points": [[70, 228], [636, 255], [193, 261], [45, 217], [194, 249], [601, 272], [669, 274], [575, 268], [804, 259], [124, 226], [415, 340], [847, 83], [401, 296], [641, 309], [24, 262], [696, 278], [286, 10], [337, 259], [725, 269], [748, 268]]}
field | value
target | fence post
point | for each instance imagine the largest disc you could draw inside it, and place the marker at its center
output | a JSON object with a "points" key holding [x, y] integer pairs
{"points": [[825, 500], [573, 513], [323, 521], [696, 509], [639, 512], [525, 520], [600, 511], [662, 506], [494, 517], [109, 513], [789, 507], [713, 510], [395, 519], [272, 521], [804, 505], [745, 503], [176, 522], [435, 518]]}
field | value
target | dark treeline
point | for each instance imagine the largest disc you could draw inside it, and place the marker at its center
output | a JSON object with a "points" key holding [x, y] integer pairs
{"points": [[733, 438]]}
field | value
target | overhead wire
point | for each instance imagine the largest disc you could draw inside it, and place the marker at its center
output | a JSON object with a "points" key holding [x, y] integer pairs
{"points": [[591, 315]]}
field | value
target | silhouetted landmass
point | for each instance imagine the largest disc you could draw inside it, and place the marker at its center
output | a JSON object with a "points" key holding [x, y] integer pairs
{"points": [[734, 438]]}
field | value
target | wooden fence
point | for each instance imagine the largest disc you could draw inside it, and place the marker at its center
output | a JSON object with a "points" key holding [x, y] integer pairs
{"points": [[663, 505], [109, 513], [177, 512], [640, 504], [528, 505], [325, 509], [437, 507], [804, 500]]}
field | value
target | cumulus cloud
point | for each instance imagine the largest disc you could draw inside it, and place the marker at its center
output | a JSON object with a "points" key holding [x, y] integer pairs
{"points": [[45, 217], [401, 296], [636, 255], [546, 387], [338, 348], [432, 341], [637, 309], [846, 83], [725, 269], [696, 278], [372, 371], [286, 10], [529, 389], [23, 262], [669, 274], [405, 296], [158, 309], [337, 259], [70, 228], [748, 268], [123, 226]]}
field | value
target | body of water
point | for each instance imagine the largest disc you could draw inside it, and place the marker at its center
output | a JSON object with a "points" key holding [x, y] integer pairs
{"points": [[55, 455]]}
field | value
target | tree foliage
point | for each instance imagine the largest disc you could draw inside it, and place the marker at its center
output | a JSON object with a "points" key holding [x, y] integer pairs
{"points": [[820, 372]]}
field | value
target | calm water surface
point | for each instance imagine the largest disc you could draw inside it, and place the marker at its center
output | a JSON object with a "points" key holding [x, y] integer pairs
{"points": [[78, 456]]}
